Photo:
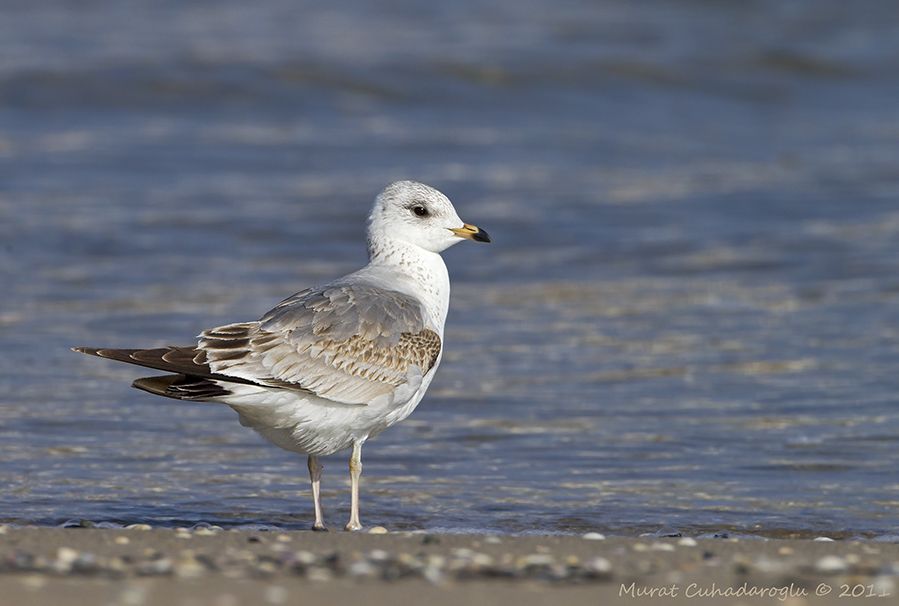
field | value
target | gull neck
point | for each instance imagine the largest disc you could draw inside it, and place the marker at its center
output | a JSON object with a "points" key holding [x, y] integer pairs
{"points": [[415, 271]]}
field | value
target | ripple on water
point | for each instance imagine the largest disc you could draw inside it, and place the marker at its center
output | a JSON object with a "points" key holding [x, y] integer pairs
{"points": [[685, 323]]}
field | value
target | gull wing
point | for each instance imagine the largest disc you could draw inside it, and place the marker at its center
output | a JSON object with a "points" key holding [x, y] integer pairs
{"points": [[350, 343]]}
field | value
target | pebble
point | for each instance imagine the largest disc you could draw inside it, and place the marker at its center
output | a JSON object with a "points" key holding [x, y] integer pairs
{"points": [[86, 563], [266, 568], [662, 547], [116, 567], [160, 567], [741, 564], [138, 527], [188, 567], [434, 575], [594, 536], [122, 540], [283, 538], [362, 568], [823, 539], [66, 556], [307, 558], [3, 528], [205, 532], [493, 540], [599, 567], [831, 564], [687, 542], [769, 566], [377, 530]]}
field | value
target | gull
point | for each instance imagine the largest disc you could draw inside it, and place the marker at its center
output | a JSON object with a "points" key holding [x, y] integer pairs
{"points": [[332, 366]]}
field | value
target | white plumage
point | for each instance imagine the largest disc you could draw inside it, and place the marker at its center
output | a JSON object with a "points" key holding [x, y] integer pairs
{"points": [[330, 367]]}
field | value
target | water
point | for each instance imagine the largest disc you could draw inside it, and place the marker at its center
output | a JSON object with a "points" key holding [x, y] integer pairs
{"points": [[688, 319]]}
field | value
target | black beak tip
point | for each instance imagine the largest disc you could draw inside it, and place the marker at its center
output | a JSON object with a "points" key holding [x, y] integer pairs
{"points": [[481, 236]]}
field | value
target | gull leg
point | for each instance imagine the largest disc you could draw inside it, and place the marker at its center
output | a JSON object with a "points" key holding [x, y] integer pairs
{"points": [[355, 472], [315, 474]]}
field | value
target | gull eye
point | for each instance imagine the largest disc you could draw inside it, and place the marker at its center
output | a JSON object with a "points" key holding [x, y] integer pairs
{"points": [[420, 211]]}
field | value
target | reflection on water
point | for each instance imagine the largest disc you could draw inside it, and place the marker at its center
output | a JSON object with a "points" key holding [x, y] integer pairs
{"points": [[687, 320]]}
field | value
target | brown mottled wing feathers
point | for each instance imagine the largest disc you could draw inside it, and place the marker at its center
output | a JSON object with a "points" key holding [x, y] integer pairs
{"points": [[348, 343]]}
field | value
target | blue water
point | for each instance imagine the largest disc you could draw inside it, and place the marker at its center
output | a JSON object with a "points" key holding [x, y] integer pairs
{"points": [[688, 319]]}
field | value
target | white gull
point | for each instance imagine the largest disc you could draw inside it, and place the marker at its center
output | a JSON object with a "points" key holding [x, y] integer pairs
{"points": [[330, 367]]}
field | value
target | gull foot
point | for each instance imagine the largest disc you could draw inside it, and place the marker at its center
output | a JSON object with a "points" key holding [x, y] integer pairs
{"points": [[353, 526], [319, 528]]}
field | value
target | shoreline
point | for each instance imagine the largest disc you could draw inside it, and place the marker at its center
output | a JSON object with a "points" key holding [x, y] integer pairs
{"points": [[142, 566], [644, 532]]}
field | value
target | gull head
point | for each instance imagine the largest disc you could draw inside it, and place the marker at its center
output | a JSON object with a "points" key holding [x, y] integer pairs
{"points": [[417, 214]]}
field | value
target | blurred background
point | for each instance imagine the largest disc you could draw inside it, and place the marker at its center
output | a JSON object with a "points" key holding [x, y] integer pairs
{"points": [[687, 322]]}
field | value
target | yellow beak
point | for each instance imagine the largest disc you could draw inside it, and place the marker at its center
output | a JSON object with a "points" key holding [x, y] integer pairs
{"points": [[471, 232]]}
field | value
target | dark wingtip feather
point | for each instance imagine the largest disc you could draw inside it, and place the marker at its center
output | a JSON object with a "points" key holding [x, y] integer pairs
{"points": [[188, 361], [181, 387], [110, 354], [156, 385]]}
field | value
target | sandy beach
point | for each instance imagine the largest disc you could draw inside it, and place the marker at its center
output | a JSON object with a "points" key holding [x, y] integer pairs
{"points": [[208, 566]]}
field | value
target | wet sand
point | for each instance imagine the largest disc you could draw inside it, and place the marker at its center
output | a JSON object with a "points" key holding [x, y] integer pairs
{"points": [[214, 567]]}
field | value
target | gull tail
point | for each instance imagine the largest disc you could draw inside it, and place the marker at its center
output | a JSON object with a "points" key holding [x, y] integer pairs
{"points": [[192, 380]]}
